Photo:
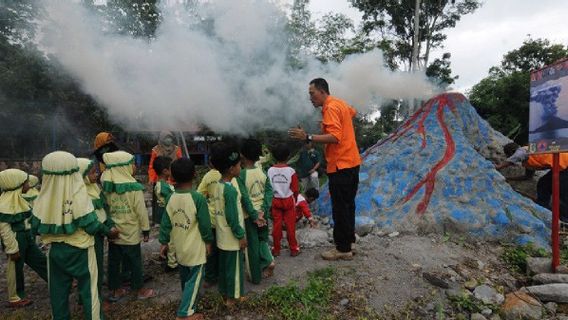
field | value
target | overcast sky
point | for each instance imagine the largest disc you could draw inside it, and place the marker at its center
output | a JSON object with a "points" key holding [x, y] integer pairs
{"points": [[480, 40]]}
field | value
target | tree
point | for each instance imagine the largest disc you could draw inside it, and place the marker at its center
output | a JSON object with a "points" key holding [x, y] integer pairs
{"points": [[393, 21], [138, 18], [502, 98], [441, 73]]}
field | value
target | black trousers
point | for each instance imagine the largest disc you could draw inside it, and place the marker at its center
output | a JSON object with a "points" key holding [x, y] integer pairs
{"points": [[343, 186], [544, 193]]}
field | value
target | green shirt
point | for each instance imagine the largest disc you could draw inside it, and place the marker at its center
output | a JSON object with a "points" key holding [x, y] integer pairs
{"points": [[307, 160]]}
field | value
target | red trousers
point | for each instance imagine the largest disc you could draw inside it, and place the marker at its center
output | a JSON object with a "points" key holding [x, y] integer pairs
{"points": [[283, 210]]}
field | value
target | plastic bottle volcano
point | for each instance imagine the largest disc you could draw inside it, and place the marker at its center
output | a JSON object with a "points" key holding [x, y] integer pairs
{"points": [[432, 175]]}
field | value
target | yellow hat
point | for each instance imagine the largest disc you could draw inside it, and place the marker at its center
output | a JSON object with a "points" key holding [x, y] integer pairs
{"points": [[63, 204], [118, 174], [13, 207]]}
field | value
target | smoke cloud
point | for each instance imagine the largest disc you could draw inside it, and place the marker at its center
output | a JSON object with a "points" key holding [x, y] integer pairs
{"points": [[233, 75]]}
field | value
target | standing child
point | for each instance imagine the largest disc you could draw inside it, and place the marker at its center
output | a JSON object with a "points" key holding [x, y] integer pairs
{"points": [[207, 188], [162, 190], [255, 181], [8, 238], [285, 185], [231, 238], [16, 211], [127, 209], [187, 225], [64, 218], [33, 192], [88, 171]]}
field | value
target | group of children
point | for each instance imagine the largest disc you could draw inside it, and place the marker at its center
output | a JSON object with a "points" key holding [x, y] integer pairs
{"points": [[215, 234]]}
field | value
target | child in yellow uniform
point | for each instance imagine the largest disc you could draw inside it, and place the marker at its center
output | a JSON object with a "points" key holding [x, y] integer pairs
{"points": [[125, 199], [258, 255], [162, 190], [230, 228], [8, 238], [88, 171], [187, 225], [64, 217], [207, 188], [33, 192], [16, 211]]}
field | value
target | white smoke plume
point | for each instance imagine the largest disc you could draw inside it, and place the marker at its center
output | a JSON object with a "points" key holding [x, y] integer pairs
{"points": [[233, 78]]}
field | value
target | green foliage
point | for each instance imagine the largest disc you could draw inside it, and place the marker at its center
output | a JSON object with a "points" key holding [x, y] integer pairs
{"points": [[393, 21], [292, 302], [515, 257], [439, 70], [503, 97], [466, 302]]}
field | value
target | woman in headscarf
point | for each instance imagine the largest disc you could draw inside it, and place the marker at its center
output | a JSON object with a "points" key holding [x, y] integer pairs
{"points": [[166, 148], [16, 211], [64, 217]]}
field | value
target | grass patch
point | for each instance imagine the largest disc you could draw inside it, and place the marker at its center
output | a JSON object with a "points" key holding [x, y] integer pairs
{"points": [[515, 257], [311, 302]]}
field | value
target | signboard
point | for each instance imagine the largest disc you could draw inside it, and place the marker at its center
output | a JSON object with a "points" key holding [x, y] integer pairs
{"points": [[548, 122]]}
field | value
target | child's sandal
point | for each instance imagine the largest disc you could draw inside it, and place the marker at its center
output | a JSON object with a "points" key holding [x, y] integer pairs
{"points": [[144, 294], [269, 271], [117, 295]]}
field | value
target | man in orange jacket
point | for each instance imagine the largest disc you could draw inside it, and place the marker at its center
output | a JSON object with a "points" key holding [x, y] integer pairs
{"points": [[532, 162], [343, 161]]}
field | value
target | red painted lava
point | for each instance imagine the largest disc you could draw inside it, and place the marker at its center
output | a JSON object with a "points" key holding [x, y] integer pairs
{"points": [[442, 101]]}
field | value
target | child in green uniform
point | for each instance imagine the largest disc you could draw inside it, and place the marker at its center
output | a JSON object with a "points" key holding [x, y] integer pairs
{"points": [[16, 211], [230, 228], [33, 191], [89, 173], [258, 255], [162, 190], [207, 189], [64, 217], [125, 198], [8, 238], [187, 225]]}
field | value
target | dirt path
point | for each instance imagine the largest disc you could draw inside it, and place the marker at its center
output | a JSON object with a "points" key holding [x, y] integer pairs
{"points": [[386, 274]]}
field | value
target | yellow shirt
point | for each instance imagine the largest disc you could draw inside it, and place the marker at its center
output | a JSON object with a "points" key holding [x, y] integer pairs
{"points": [[79, 239], [187, 225], [8, 238], [129, 213], [207, 189], [229, 216]]}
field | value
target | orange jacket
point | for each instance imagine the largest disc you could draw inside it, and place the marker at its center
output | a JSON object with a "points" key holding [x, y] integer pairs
{"points": [[152, 175], [544, 161], [338, 121]]}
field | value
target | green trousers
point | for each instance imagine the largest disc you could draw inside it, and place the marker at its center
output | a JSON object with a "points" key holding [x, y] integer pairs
{"points": [[191, 278], [212, 265], [231, 274], [66, 263], [100, 251], [257, 254], [129, 255], [31, 255]]}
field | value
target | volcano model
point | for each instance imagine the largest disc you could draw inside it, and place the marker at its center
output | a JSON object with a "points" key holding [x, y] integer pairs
{"points": [[432, 175]]}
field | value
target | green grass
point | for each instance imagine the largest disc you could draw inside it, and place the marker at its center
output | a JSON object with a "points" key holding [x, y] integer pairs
{"points": [[291, 301], [515, 257]]}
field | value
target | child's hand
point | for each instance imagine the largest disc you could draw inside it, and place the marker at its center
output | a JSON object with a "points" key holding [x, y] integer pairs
{"points": [[261, 215], [164, 251], [243, 243], [260, 222], [313, 223], [209, 248], [113, 233], [14, 256]]}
